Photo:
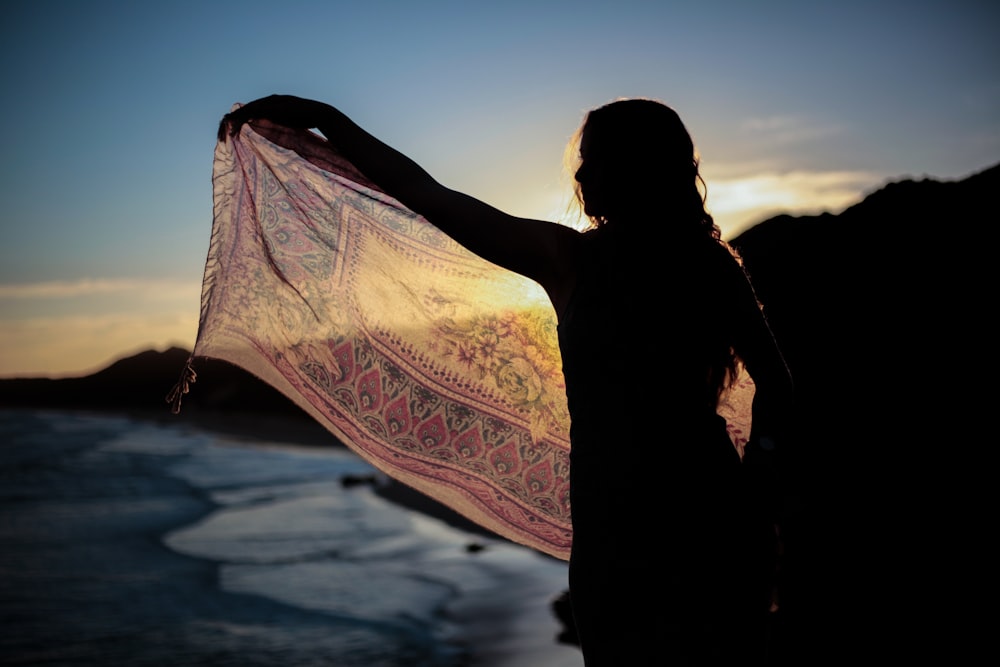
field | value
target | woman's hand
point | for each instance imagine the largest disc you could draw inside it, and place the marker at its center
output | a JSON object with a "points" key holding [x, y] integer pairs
{"points": [[284, 110]]}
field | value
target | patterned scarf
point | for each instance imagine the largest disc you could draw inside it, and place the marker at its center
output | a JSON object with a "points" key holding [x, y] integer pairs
{"points": [[440, 369]]}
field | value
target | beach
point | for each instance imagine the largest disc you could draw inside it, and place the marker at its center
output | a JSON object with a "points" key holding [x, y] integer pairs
{"points": [[150, 542]]}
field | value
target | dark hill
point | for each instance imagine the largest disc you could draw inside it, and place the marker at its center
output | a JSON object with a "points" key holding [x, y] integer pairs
{"points": [[224, 398], [142, 381], [881, 311]]}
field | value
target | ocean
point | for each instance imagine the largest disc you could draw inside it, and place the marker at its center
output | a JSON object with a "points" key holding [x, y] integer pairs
{"points": [[132, 542]]}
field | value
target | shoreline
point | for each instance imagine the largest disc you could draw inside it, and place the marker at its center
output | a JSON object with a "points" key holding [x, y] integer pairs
{"points": [[93, 581], [527, 608]]}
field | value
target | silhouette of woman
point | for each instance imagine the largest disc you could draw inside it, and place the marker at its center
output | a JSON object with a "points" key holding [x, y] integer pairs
{"points": [[685, 580]]}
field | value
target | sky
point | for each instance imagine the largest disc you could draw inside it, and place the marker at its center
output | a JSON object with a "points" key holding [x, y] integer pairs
{"points": [[110, 110]]}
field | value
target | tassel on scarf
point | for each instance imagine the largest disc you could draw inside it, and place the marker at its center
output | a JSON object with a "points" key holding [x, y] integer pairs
{"points": [[183, 386]]}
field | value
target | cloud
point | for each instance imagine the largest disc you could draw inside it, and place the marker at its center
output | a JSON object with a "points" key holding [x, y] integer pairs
{"points": [[71, 327], [63, 289], [75, 345], [93, 297], [788, 129], [738, 202]]}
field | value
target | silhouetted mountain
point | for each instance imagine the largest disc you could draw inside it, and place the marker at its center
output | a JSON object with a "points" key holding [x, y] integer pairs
{"points": [[877, 310], [886, 293], [142, 382]]}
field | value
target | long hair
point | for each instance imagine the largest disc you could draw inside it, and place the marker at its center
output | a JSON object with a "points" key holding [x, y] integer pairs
{"points": [[649, 160], [646, 145]]}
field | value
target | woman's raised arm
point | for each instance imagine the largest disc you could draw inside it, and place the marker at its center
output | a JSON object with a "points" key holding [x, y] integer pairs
{"points": [[529, 247]]}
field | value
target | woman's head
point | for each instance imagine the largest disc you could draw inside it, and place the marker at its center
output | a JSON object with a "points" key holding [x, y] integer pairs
{"points": [[633, 155]]}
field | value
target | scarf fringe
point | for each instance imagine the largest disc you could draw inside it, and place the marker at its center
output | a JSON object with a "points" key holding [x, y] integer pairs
{"points": [[188, 377]]}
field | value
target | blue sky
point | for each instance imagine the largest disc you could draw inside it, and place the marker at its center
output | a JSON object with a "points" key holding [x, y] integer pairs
{"points": [[110, 111]]}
